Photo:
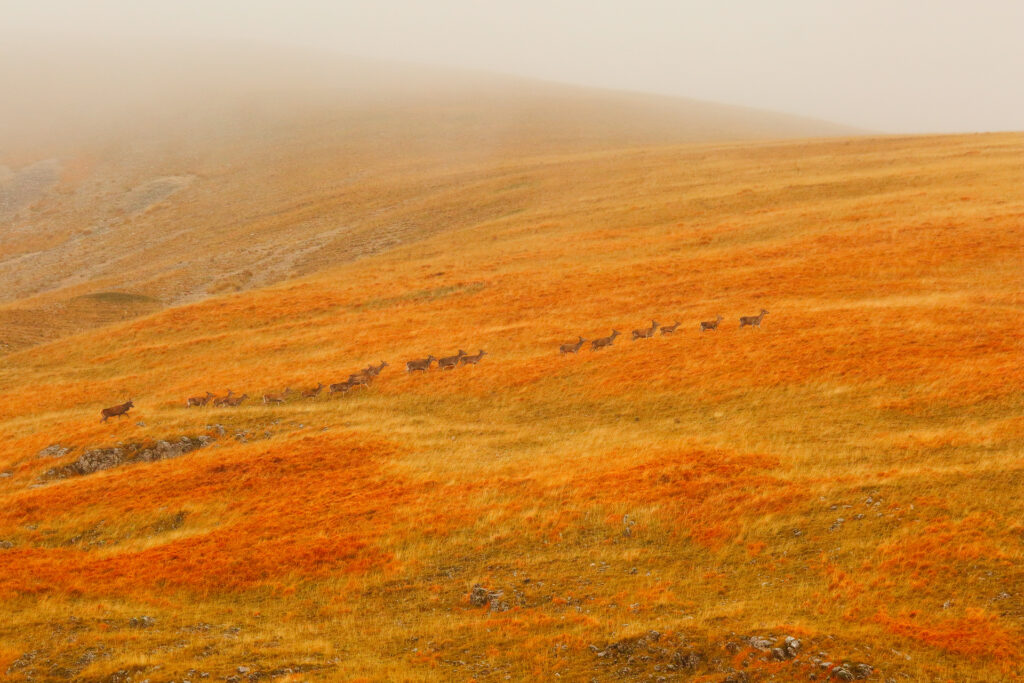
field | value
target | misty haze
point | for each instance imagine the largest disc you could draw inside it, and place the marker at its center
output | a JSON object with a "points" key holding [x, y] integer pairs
{"points": [[456, 341]]}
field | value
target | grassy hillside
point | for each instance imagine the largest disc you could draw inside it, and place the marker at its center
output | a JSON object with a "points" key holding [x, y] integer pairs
{"points": [[847, 475], [179, 178]]}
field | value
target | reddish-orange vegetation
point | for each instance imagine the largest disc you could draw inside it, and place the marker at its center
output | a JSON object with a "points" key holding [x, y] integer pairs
{"points": [[977, 634], [847, 474]]}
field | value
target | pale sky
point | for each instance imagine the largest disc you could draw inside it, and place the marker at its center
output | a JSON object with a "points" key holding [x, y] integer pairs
{"points": [[897, 66]]}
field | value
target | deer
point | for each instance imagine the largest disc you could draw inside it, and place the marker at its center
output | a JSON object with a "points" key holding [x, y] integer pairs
{"points": [[311, 393], [598, 344], [421, 365], [473, 360], [277, 398], [223, 400], [711, 325], [646, 333], [198, 400], [449, 362], [376, 370], [669, 329], [343, 387], [360, 379], [753, 320], [572, 348], [116, 411], [236, 401]]}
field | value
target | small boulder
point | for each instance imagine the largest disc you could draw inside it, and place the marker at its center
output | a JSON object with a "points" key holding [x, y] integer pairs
{"points": [[759, 643], [861, 671], [141, 622], [842, 673], [479, 596]]}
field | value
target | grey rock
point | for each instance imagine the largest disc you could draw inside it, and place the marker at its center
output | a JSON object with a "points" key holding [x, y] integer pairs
{"points": [[4, 545], [759, 643], [479, 596], [141, 622], [842, 673], [862, 671]]}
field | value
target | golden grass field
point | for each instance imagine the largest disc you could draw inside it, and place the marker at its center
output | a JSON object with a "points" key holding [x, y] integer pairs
{"points": [[689, 484]]}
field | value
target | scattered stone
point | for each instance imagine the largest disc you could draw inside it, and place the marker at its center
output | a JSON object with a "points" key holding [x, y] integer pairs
{"points": [[5, 545], [141, 622], [480, 596], [862, 671], [4, 475], [243, 669], [737, 677], [759, 643], [140, 424], [842, 673]]}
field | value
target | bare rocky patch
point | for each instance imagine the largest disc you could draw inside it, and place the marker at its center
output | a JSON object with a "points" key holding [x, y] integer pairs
{"points": [[98, 459]]}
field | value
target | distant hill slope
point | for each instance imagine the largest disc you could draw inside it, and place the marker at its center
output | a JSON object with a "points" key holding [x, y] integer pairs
{"points": [[210, 172]]}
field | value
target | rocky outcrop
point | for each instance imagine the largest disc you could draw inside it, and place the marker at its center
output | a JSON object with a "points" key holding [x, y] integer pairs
{"points": [[98, 459]]}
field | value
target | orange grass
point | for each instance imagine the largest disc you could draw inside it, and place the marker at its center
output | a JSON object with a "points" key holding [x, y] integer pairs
{"points": [[691, 484]]}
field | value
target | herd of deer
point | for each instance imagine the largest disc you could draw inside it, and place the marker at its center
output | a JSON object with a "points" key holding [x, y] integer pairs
{"points": [[365, 377], [648, 332]]}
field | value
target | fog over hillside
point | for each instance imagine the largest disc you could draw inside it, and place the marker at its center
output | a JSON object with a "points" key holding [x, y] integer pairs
{"points": [[172, 171], [160, 87]]}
